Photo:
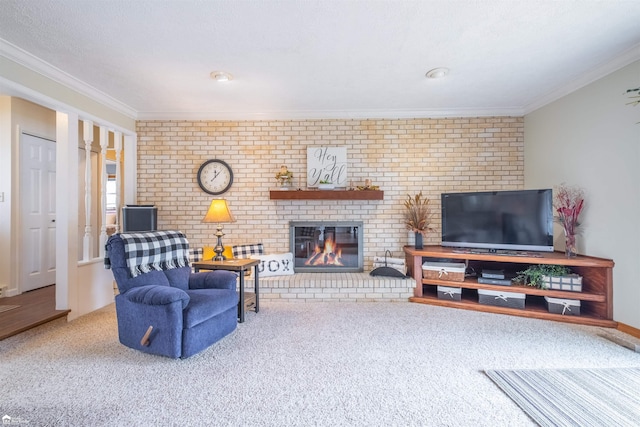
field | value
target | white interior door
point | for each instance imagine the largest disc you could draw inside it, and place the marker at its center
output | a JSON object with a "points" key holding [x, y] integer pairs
{"points": [[37, 212]]}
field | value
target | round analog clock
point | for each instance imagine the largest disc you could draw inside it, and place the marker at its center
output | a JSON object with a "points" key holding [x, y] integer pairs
{"points": [[215, 177]]}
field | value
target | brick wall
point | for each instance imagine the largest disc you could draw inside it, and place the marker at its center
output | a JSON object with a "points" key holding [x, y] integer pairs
{"points": [[403, 157]]}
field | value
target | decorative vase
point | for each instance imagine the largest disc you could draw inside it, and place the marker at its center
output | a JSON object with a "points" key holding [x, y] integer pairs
{"points": [[570, 245], [418, 244]]}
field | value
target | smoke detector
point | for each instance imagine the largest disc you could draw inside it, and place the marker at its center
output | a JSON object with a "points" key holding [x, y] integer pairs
{"points": [[437, 73], [221, 76]]}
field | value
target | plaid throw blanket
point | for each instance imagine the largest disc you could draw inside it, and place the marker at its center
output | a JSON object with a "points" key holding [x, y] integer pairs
{"points": [[153, 250]]}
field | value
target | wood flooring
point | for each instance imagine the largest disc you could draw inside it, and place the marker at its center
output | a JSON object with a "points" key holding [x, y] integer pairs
{"points": [[36, 307]]}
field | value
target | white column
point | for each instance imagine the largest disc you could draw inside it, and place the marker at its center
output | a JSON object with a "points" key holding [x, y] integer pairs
{"points": [[117, 145], [130, 169], [67, 195], [87, 242], [104, 143]]}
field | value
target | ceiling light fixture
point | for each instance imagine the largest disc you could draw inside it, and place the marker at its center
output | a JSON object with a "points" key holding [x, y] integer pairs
{"points": [[221, 76], [437, 73]]}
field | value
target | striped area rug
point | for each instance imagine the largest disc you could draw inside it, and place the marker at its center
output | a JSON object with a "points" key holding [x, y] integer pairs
{"points": [[574, 397]]}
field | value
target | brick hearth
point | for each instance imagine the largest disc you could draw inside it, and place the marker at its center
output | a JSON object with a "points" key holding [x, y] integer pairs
{"points": [[355, 287]]}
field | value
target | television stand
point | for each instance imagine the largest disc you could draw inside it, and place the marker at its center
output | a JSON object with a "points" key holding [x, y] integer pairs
{"points": [[597, 283]]}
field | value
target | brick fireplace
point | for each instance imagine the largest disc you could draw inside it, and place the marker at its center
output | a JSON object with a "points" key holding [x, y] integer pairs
{"points": [[321, 246]]}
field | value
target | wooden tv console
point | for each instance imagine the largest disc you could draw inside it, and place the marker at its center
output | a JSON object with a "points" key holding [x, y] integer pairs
{"points": [[597, 283]]}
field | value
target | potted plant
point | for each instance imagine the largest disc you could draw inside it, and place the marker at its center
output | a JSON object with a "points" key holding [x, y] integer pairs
{"points": [[545, 276], [284, 176], [635, 97], [417, 217], [325, 184]]}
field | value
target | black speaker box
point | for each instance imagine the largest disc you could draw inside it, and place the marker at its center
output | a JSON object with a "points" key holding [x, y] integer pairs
{"points": [[139, 218]]}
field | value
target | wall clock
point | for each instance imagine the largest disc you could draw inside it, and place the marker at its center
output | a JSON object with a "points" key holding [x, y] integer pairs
{"points": [[215, 177]]}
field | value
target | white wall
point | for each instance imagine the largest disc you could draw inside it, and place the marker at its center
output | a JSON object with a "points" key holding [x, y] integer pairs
{"points": [[591, 139]]}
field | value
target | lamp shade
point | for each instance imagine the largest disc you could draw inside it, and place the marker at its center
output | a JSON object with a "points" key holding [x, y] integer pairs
{"points": [[218, 212]]}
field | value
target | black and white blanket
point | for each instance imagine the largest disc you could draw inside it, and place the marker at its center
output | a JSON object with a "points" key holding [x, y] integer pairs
{"points": [[153, 250]]}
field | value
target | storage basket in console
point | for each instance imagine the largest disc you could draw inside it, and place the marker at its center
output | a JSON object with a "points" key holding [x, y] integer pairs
{"points": [[450, 271]]}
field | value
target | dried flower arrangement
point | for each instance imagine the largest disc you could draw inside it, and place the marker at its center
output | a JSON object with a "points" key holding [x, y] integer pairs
{"points": [[568, 202], [417, 214]]}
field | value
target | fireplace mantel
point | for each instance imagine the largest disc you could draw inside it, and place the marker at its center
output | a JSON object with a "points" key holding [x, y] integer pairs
{"points": [[313, 194]]}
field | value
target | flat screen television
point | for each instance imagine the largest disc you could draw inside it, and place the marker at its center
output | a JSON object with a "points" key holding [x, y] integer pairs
{"points": [[498, 220]]}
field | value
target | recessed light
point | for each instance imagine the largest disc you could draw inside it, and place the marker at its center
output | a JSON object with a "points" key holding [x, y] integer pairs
{"points": [[221, 76], [437, 73]]}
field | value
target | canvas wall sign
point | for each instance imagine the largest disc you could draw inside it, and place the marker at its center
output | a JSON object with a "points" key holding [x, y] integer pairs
{"points": [[327, 164]]}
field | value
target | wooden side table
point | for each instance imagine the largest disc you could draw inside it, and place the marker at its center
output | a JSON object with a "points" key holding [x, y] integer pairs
{"points": [[248, 300]]}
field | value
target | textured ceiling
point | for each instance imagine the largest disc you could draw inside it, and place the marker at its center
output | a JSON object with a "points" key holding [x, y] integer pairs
{"points": [[324, 58]]}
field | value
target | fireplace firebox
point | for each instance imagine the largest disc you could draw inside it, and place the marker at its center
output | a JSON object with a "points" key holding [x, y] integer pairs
{"points": [[323, 246]]}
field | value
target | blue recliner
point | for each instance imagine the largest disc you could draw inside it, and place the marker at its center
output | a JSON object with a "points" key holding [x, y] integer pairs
{"points": [[187, 312]]}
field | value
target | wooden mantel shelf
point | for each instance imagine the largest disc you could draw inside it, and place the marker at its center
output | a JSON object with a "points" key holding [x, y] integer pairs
{"points": [[313, 194]]}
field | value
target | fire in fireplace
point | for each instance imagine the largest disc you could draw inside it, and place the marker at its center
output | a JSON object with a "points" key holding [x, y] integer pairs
{"points": [[322, 246], [328, 254]]}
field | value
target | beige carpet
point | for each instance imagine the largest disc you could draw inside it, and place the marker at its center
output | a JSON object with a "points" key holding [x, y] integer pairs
{"points": [[296, 364]]}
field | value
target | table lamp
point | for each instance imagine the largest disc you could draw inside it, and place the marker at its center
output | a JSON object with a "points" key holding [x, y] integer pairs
{"points": [[218, 213]]}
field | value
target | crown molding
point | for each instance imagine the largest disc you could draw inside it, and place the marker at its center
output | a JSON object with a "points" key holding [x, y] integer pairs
{"points": [[331, 114], [26, 59], [629, 56], [11, 88]]}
